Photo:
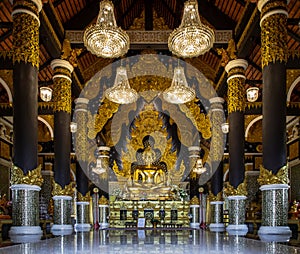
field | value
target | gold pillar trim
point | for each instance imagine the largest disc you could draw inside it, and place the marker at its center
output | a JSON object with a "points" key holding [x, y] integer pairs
{"points": [[83, 198], [267, 177], [81, 136], [62, 71], [26, 39], [241, 190], [194, 201], [236, 100], [218, 197], [217, 139], [62, 95], [103, 201], [274, 33], [33, 177], [68, 190]]}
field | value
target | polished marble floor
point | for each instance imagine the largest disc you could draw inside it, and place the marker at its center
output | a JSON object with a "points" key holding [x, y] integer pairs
{"points": [[148, 242]]}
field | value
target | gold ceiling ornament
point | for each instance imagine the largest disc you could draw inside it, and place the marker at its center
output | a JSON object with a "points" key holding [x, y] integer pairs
{"points": [[70, 54], [57, 190], [103, 201], [273, 25], [194, 201], [83, 198], [218, 197], [33, 177], [191, 38], [200, 120], [227, 54], [267, 177], [96, 122], [105, 39], [241, 190], [121, 92]]}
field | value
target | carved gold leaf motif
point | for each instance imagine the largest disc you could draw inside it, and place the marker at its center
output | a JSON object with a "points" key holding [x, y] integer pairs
{"points": [[33, 177], [241, 190], [68, 190], [267, 177]]}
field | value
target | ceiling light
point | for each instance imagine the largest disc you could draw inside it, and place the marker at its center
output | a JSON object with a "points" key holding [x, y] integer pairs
{"points": [[46, 93], [191, 38], [252, 94]]}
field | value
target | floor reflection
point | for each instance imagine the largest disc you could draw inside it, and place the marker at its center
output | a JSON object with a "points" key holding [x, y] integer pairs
{"points": [[150, 241]]}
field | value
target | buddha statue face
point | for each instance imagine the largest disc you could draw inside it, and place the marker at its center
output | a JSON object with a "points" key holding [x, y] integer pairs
{"points": [[149, 156]]}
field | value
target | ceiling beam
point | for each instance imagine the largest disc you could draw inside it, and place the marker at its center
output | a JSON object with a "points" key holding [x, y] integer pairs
{"points": [[148, 14], [293, 35], [4, 25], [84, 17]]}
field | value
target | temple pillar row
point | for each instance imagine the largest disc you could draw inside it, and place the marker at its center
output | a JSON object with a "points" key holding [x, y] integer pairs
{"points": [[26, 178]]}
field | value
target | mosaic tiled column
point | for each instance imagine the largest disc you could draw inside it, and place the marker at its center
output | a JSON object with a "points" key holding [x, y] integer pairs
{"points": [[103, 212], [194, 211], [63, 189], [237, 211], [45, 194], [25, 171], [217, 151], [236, 139], [274, 173], [216, 219]]}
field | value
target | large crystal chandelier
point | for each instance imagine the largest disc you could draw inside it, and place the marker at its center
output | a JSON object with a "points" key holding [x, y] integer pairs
{"points": [[105, 39], [179, 92], [121, 92], [191, 38]]}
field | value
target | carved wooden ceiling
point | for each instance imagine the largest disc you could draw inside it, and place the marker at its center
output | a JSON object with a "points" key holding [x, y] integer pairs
{"points": [[239, 16]]}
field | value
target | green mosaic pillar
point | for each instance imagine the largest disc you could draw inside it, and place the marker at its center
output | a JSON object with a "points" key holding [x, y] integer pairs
{"points": [[45, 193], [103, 212], [62, 224], [274, 171], [82, 223]]}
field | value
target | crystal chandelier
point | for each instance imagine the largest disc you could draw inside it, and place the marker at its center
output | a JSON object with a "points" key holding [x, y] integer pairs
{"points": [[252, 94], [179, 92], [102, 162], [191, 38], [121, 92], [199, 168], [105, 39]]}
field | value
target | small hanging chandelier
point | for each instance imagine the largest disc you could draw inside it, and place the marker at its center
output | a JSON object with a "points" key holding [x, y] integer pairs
{"points": [[191, 38], [252, 94], [121, 92], [102, 161], [46, 93], [179, 92], [105, 39]]}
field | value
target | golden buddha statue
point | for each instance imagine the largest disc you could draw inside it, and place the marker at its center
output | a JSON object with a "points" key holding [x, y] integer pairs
{"points": [[149, 174]]}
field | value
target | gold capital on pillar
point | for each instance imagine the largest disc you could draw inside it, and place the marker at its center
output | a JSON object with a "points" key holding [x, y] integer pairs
{"points": [[68, 190], [83, 198], [241, 190], [267, 177], [218, 197], [33, 177]]}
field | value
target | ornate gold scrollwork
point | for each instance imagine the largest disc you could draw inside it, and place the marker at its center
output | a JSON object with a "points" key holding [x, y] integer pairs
{"points": [[83, 198], [274, 34], [241, 190], [267, 177], [218, 197], [62, 95], [33, 177], [68, 190], [217, 140], [81, 136]]}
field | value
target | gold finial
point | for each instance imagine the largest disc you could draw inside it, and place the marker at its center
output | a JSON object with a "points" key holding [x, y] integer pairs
{"points": [[68, 190], [103, 201], [84, 198], [240, 190], [228, 54], [212, 197], [70, 54], [194, 201]]}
